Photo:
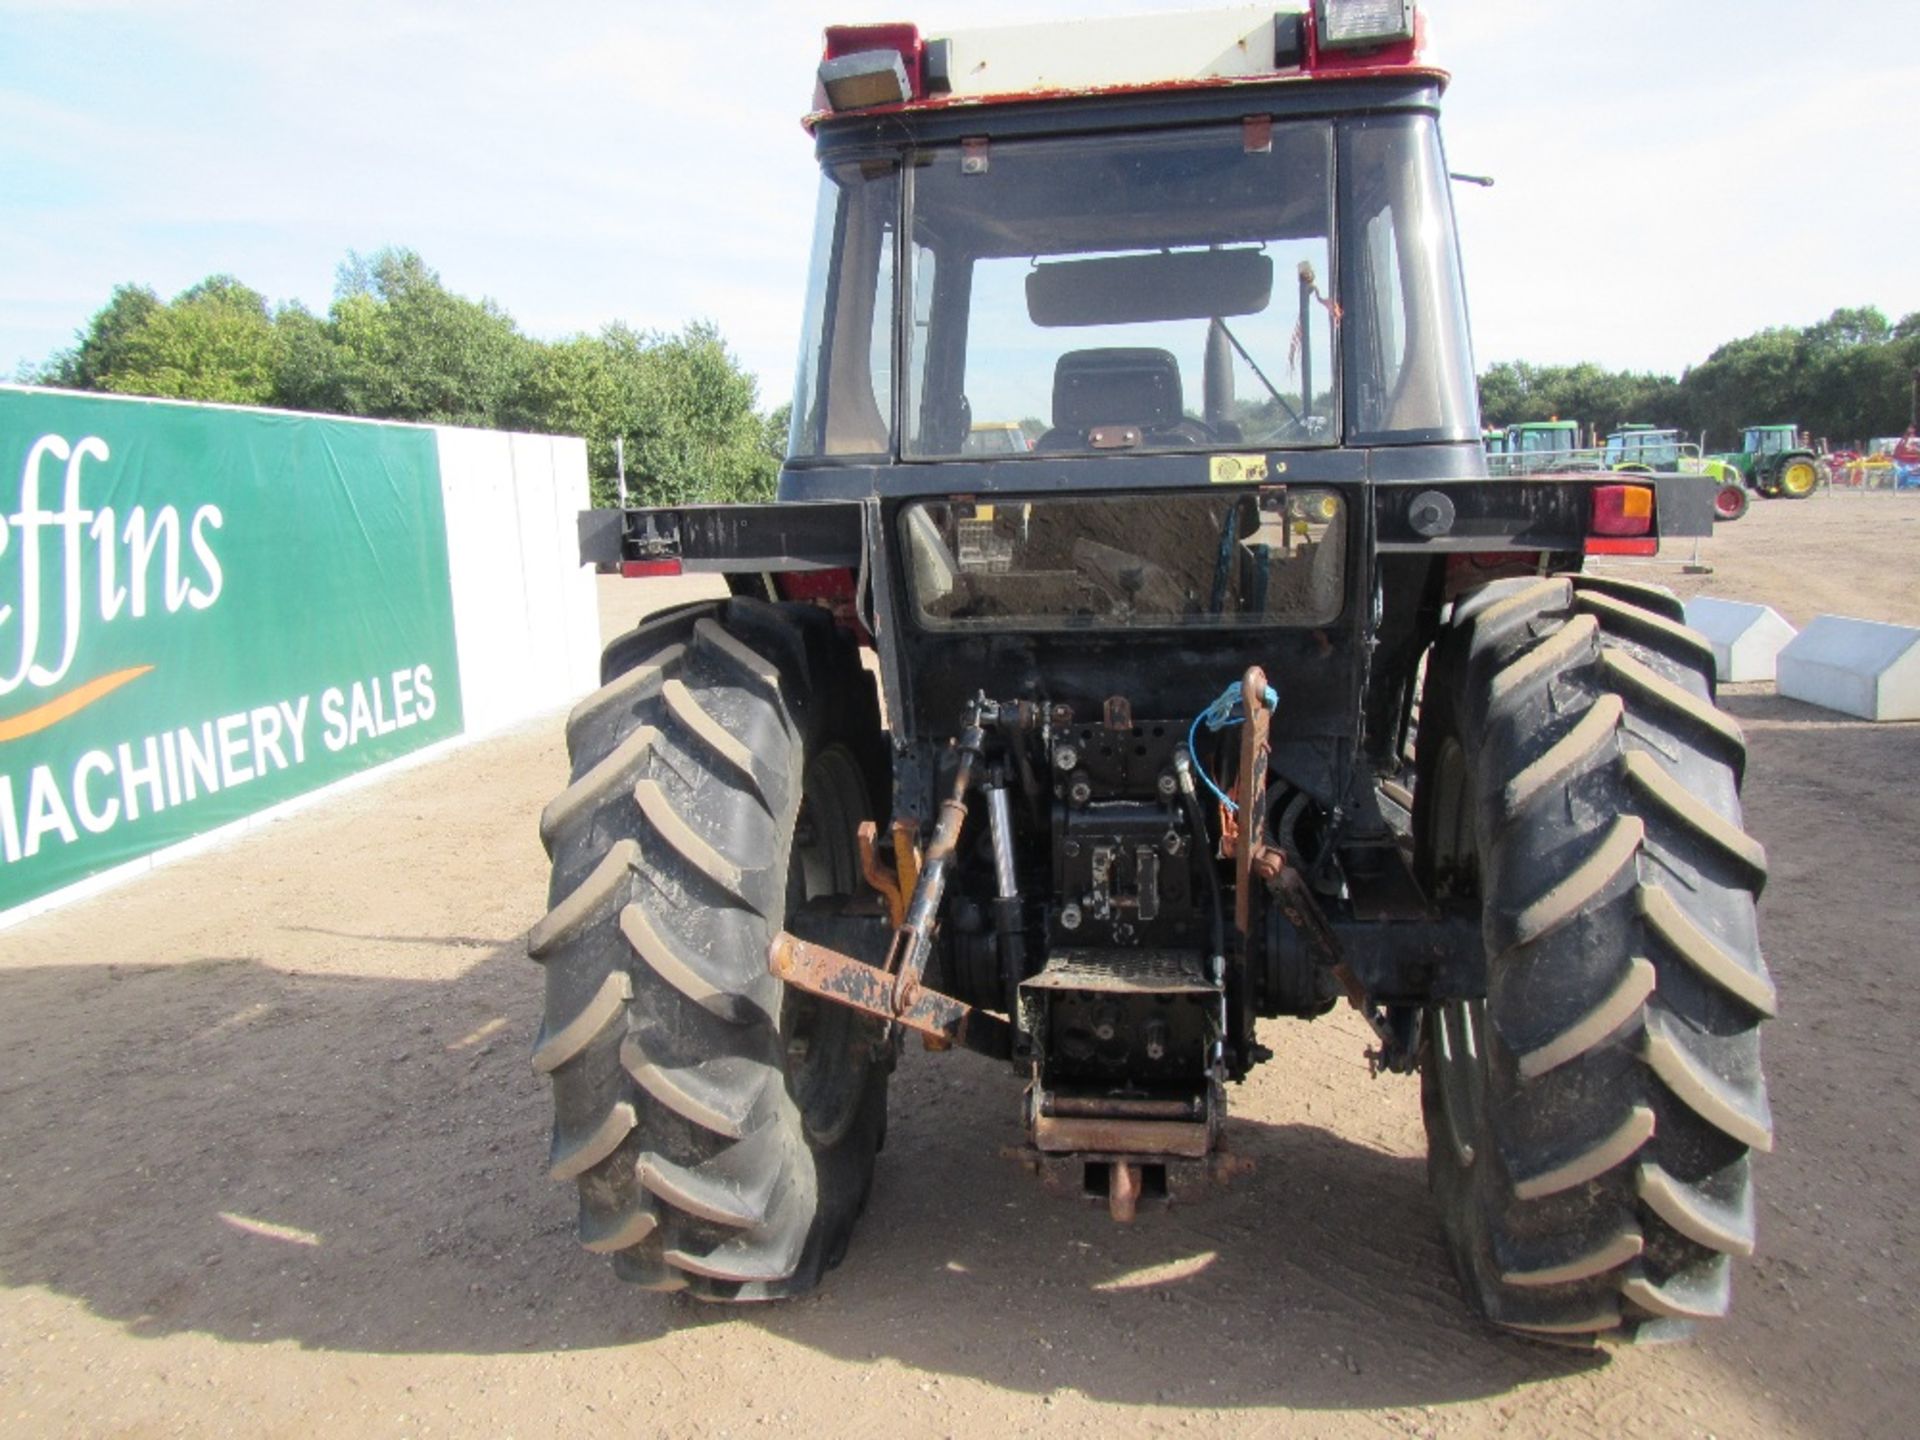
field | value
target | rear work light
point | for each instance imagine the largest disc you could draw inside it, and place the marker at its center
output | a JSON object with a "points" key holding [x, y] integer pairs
{"points": [[1340, 24], [868, 65]]}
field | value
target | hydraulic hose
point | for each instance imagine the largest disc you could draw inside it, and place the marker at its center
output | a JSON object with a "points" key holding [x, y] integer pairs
{"points": [[1197, 822]]}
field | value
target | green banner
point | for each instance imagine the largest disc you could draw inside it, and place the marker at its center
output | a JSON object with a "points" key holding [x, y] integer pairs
{"points": [[204, 612]]}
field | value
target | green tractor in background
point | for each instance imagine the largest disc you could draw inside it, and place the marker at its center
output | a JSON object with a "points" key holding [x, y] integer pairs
{"points": [[1539, 447], [1642, 449], [1775, 462]]}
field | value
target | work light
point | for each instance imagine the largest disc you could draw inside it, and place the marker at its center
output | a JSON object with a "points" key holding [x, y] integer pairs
{"points": [[1342, 24], [870, 77]]}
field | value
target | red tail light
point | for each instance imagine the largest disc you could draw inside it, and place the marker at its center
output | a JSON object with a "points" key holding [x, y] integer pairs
{"points": [[1599, 545], [1622, 510], [644, 569]]}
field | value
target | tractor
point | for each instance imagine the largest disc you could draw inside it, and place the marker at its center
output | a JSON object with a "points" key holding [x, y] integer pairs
{"points": [[1537, 447], [1244, 694], [1774, 461]]}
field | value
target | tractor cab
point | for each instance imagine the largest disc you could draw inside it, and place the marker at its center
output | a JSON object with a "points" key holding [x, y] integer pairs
{"points": [[1256, 263], [1644, 448], [1544, 439], [1536, 447], [1771, 439]]}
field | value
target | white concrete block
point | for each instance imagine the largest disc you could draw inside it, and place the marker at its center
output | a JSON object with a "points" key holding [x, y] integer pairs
{"points": [[1858, 667], [1745, 638]]}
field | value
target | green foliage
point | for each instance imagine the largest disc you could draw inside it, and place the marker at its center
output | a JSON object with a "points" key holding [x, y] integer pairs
{"points": [[681, 404], [775, 430], [398, 345], [696, 435], [410, 349], [583, 386], [1513, 391], [101, 347], [1846, 378], [308, 359], [213, 342]]}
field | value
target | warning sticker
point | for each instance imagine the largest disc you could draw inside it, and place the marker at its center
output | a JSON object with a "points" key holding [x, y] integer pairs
{"points": [[1237, 469]]}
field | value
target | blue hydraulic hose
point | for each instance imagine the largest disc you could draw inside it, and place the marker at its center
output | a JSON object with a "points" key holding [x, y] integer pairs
{"points": [[1220, 716]]}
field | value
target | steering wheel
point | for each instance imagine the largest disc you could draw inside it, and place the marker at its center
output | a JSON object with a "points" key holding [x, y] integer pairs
{"points": [[1185, 431]]}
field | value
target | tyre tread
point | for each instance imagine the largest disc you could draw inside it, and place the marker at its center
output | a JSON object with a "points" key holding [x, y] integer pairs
{"points": [[1626, 984], [662, 1032]]}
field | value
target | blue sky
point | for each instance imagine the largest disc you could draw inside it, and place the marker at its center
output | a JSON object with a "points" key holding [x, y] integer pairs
{"points": [[1670, 173]]}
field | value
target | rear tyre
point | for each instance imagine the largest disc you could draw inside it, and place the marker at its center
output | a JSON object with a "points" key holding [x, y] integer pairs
{"points": [[1798, 477], [720, 1129], [1730, 502], [1589, 1122]]}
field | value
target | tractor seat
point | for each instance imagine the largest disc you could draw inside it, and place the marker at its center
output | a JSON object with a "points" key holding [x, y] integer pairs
{"points": [[1117, 386]]}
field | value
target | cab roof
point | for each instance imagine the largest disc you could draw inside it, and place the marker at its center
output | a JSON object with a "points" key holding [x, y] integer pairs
{"points": [[894, 68]]}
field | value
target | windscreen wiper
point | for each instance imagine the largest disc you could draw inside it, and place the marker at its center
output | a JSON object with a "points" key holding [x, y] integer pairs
{"points": [[1254, 365]]}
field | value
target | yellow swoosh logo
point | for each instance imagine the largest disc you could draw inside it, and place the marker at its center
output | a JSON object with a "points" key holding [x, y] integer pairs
{"points": [[71, 703]]}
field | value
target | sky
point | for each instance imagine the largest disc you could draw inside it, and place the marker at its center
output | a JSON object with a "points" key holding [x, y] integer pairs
{"points": [[1669, 173]]}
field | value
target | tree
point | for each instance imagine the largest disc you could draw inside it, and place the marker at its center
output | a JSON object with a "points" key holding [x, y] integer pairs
{"points": [[776, 428], [1514, 391], [215, 341], [1845, 378], [410, 349], [681, 404], [1847, 328], [587, 386], [101, 347], [696, 434], [308, 361]]}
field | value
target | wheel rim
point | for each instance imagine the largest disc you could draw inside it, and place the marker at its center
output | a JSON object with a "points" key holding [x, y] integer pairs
{"points": [[1728, 501], [1460, 1062], [1456, 1028], [826, 1057], [1798, 479]]}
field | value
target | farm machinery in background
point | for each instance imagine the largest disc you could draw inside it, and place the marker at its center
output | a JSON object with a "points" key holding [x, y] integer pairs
{"points": [[1889, 463], [1774, 461], [1646, 450], [1541, 447]]}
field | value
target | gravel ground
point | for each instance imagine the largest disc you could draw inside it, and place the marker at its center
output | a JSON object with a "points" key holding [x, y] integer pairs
{"points": [[271, 1160]]}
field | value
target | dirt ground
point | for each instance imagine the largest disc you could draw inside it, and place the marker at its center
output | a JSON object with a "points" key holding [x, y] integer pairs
{"points": [[271, 1162]]}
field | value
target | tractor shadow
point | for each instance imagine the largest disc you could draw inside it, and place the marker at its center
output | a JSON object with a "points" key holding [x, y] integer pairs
{"points": [[1317, 1281], [358, 1165]]}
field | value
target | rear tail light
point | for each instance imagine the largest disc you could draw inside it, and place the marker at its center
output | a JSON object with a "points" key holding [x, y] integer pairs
{"points": [[645, 569], [1622, 522], [1622, 510]]}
